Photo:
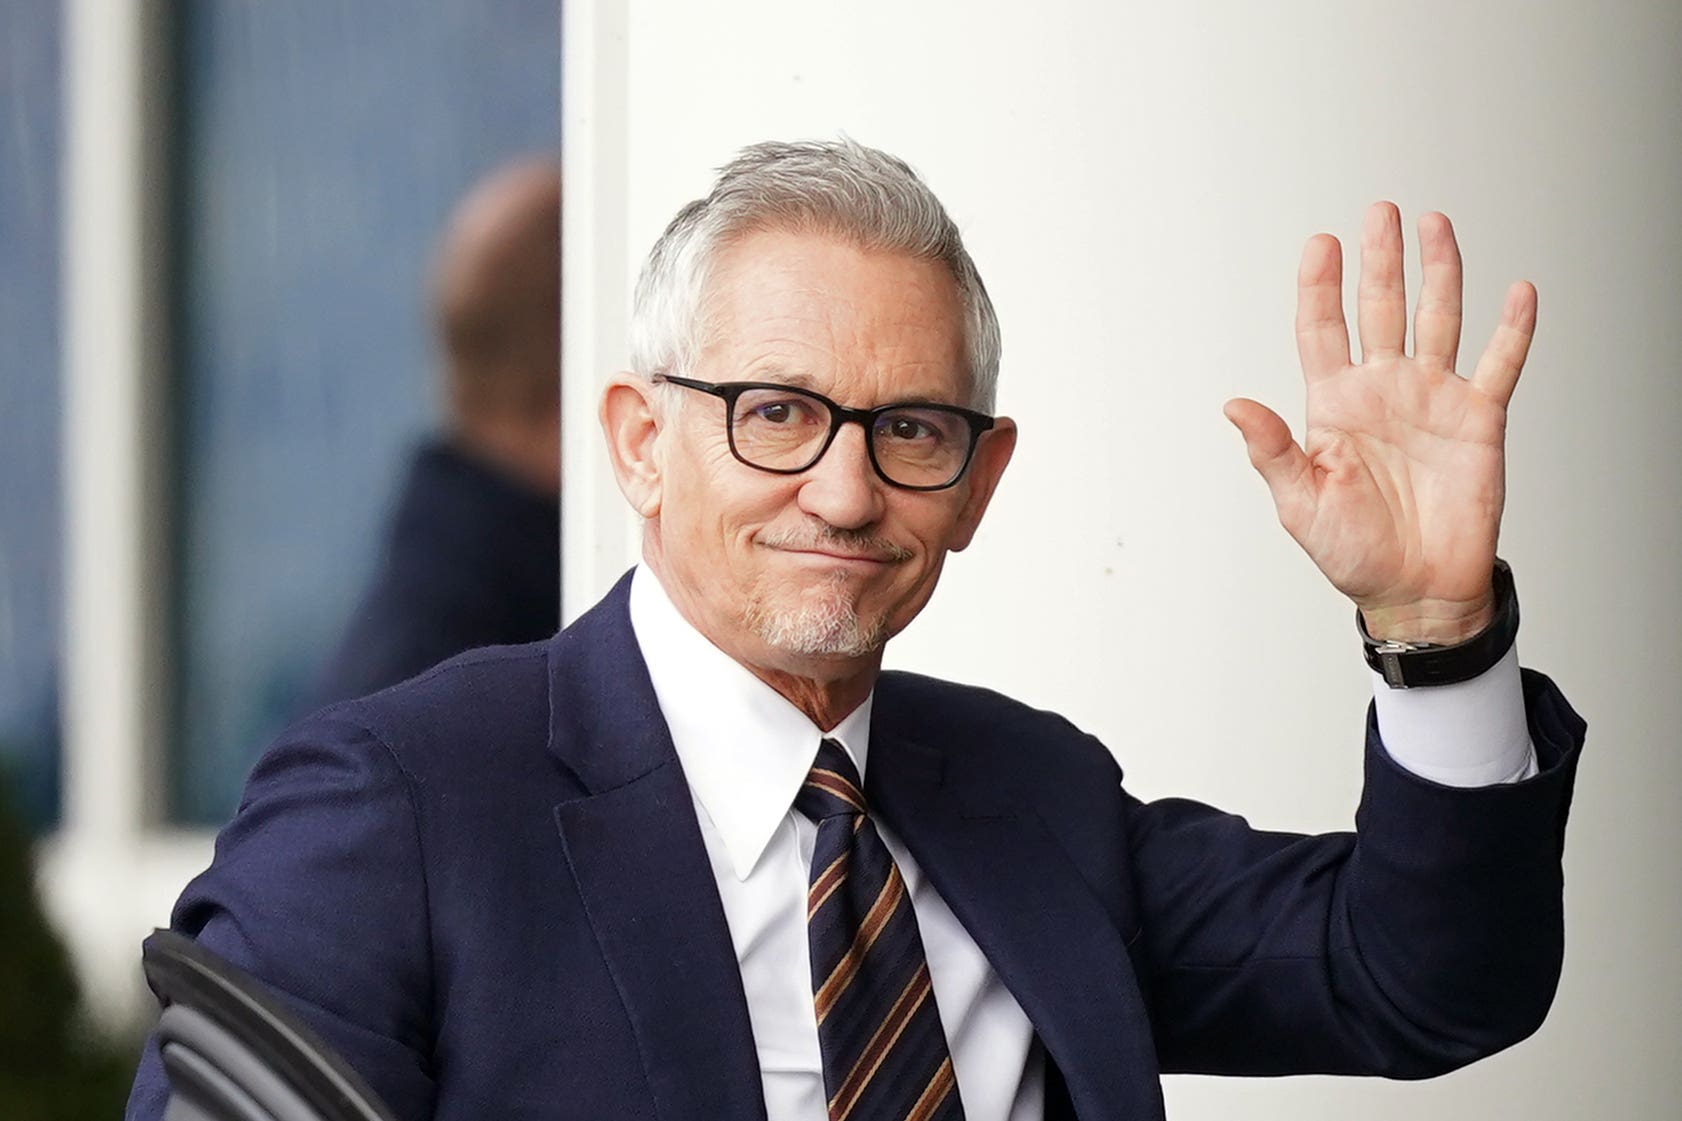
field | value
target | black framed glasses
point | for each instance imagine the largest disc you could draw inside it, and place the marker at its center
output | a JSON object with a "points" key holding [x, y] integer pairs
{"points": [[777, 428]]}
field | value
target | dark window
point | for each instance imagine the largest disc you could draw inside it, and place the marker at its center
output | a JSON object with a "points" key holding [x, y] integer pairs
{"points": [[320, 148], [30, 406]]}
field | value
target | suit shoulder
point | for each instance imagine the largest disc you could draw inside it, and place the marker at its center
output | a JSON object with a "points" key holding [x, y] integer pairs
{"points": [[473, 707], [946, 701], [932, 710]]}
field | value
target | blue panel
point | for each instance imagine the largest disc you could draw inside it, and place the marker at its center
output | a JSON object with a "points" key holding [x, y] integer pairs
{"points": [[320, 148], [29, 405]]}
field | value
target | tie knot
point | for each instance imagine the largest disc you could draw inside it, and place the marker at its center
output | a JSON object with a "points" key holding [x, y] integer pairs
{"points": [[832, 787]]}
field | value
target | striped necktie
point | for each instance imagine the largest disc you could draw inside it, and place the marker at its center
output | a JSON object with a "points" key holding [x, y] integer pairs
{"points": [[884, 1051]]}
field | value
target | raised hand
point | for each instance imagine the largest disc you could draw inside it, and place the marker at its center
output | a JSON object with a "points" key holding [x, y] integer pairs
{"points": [[1396, 489]]}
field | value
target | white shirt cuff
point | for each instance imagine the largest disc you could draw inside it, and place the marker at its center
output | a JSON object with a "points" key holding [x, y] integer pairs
{"points": [[1471, 733]]}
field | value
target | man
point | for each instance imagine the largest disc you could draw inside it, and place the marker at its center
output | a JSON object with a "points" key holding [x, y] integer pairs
{"points": [[473, 554], [697, 857]]}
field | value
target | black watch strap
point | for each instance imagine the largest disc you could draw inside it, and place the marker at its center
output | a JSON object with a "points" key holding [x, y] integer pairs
{"points": [[1407, 665]]}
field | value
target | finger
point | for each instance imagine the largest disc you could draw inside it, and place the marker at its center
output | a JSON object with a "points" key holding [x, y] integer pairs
{"points": [[1498, 370], [1322, 334], [1279, 460], [1436, 322], [1381, 313]]}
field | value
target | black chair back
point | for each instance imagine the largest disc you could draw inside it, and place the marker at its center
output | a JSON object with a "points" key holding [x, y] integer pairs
{"points": [[233, 1052]]}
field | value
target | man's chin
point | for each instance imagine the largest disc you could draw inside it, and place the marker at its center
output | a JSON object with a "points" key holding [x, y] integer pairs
{"points": [[827, 624]]}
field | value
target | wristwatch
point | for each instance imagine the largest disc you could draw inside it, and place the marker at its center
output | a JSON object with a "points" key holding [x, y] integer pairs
{"points": [[1406, 665]]}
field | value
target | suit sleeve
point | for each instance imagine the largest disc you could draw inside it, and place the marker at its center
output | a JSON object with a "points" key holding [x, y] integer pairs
{"points": [[1429, 937], [318, 890]]}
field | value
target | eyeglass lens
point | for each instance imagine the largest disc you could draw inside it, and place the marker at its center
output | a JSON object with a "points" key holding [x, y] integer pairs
{"points": [[785, 430]]}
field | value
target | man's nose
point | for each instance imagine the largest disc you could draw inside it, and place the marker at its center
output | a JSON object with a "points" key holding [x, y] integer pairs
{"points": [[843, 488]]}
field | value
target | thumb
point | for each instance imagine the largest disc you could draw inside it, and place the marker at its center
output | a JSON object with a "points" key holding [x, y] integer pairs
{"points": [[1280, 461]]}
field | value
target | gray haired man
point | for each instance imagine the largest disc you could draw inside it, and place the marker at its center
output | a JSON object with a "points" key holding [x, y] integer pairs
{"points": [[699, 857]]}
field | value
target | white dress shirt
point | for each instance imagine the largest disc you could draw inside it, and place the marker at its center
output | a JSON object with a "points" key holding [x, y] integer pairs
{"points": [[746, 750]]}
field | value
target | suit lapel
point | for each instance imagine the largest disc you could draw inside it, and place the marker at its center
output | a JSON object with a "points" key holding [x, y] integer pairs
{"points": [[1019, 896], [636, 853]]}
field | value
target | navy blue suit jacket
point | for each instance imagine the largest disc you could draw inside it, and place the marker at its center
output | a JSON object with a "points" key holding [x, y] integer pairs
{"points": [[488, 888]]}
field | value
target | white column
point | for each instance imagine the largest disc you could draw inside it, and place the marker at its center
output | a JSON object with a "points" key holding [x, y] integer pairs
{"points": [[1135, 182], [599, 537], [114, 445]]}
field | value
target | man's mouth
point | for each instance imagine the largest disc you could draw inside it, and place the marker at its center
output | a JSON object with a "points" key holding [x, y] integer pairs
{"points": [[855, 548], [838, 555]]}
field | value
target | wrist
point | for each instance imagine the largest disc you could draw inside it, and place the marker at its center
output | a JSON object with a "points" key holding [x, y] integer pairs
{"points": [[1434, 621], [1408, 662]]}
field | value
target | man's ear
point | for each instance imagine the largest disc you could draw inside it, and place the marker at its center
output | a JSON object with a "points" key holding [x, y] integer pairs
{"points": [[630, 420], [992, 456]]}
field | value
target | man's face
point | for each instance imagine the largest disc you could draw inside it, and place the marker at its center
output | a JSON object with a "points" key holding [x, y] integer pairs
{"points": [[799, 573]]}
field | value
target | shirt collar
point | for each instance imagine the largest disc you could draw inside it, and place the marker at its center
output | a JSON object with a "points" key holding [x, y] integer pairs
{"points": [[744, 748]]}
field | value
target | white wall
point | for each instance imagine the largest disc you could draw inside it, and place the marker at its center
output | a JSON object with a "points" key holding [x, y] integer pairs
{"points": [[1135, 183]]}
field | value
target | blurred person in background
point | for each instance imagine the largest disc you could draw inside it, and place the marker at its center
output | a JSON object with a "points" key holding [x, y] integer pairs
{"points": [[472, 555]]}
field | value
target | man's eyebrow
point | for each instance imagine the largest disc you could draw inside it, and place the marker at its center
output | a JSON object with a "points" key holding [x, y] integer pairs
{"points": [[794, 379], [800, 379]]}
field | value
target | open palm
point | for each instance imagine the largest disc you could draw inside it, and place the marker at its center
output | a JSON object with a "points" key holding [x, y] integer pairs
{"points": [[1396, 489]]}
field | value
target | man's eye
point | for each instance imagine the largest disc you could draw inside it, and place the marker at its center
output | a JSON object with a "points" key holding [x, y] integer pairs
{"points": [[907, 428], [781, 412]]}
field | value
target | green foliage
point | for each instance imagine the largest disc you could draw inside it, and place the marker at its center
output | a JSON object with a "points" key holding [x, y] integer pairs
{"points": [[50, 1068], [88, 1083]]}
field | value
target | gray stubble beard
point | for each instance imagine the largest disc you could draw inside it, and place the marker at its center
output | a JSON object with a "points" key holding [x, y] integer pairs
{"points": [[830, 627]]}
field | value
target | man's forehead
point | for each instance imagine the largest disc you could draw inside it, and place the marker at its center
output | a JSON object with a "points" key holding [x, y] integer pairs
{"points": [[810, 309]]}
